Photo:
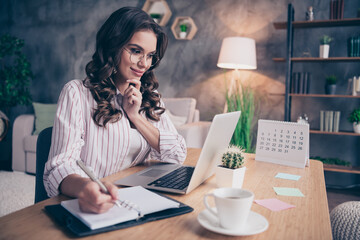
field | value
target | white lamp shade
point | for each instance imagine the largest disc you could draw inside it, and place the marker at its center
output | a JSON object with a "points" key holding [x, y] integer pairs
{"points": [[237, 53]]}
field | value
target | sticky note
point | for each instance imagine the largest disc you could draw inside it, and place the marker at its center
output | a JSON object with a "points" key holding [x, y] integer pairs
{"points": [[284, 191], [288, 176], [274, 204]]}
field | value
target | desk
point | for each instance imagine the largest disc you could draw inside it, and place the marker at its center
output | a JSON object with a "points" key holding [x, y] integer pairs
{"points": [[309, 220]]}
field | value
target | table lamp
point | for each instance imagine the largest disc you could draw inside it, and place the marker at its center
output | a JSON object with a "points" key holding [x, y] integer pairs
{"points": [[237, 53]]}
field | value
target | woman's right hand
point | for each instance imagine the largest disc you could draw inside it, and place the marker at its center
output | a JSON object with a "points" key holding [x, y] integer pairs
{"points": [[91, 198]]}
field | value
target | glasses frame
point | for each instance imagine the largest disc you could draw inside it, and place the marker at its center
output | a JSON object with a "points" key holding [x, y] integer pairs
{"points": [[141, 58]]}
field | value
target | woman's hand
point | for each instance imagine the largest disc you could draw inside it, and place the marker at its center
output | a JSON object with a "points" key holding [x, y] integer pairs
{"points": [[93, 200], [132, 98]]}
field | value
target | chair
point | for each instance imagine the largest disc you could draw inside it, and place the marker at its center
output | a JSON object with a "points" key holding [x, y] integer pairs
{"points": [[42, 152], [345, 221]]}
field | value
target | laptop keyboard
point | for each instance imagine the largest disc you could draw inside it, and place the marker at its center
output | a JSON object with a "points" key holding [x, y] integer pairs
{"points": [[177, 179]]}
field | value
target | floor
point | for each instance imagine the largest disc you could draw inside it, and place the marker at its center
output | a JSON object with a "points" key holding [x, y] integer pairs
{"points": [[338, 196]]}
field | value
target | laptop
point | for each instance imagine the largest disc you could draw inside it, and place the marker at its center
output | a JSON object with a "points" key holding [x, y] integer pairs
{"points": [[176, 178]]}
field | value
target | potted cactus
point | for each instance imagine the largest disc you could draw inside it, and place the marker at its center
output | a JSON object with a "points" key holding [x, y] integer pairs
{"points": [[183, 30], [231, 172], [354, 118]]}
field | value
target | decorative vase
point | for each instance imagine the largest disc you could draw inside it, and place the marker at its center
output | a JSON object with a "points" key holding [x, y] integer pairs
{"points": [[356, 127], [226, 177], [324, 51], [330, 89], [183, 35]]}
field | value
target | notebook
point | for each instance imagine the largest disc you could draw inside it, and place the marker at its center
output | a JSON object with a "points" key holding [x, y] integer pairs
{"points": [[72, 224], [146, 201], [285, 143], [218, 138]]}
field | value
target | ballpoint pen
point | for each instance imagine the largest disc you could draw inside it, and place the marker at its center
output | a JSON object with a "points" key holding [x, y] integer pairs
{"points": [[120, 203]]}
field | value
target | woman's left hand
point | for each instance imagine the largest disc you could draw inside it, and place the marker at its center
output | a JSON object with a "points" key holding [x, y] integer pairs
{"points": [[132, 98]]}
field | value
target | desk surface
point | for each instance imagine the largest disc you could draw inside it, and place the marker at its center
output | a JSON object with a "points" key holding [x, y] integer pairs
{"points": [[308, 220]]}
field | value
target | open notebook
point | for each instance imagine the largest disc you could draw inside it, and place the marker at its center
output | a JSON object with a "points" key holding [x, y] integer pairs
{"points": [[147, 202]]}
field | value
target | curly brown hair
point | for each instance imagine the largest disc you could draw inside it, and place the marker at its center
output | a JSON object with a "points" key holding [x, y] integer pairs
{"points": [[114, 34]]}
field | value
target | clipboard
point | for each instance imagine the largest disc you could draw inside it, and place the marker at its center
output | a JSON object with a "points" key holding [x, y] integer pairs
{"points": [[72, 224]]}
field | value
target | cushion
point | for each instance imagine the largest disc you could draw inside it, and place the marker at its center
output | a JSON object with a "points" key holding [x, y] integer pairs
{"points": [[176, 120], [44, 116]]}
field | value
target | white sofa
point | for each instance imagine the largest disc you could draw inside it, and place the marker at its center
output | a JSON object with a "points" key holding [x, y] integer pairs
{"points": [[24, 143]]}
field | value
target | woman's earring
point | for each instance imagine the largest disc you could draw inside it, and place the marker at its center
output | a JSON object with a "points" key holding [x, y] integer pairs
{"points": [[114, 71]]}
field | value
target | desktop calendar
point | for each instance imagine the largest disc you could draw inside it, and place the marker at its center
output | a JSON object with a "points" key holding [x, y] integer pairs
{"points": [[285, 143]]}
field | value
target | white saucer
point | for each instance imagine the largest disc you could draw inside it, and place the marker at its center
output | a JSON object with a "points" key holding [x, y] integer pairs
{"points": [[256, 224]]}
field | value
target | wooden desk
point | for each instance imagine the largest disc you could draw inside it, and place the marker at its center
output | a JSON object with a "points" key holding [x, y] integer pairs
{"points": [[309, 220]]}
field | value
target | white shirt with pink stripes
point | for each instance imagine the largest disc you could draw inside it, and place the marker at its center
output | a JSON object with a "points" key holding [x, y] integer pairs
{"points": [[105, 150]]}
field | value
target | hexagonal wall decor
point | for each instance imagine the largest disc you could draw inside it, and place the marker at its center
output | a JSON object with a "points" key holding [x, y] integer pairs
{"points": [[184, 28], [159, 10]]}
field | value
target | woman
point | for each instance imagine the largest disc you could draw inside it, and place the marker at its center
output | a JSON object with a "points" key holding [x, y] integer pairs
{"points": [[114, 119]]}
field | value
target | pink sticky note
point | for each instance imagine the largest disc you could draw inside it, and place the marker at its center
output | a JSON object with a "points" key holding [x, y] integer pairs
{"points": [[274, 204]]}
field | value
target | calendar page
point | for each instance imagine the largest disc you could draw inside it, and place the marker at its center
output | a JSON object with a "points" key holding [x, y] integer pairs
{"points": [[285, 143]]}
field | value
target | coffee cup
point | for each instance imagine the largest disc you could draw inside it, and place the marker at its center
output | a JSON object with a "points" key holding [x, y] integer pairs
{"points": [[232, 206]]}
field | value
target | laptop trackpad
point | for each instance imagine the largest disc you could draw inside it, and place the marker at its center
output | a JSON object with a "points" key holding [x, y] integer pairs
{"points": [[153, 173]]}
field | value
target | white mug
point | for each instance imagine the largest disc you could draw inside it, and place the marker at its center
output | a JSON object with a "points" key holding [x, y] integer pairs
{"points": [[232, 206]]}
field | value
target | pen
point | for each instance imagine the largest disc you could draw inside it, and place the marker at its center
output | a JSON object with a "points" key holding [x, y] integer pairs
{"points": [[119, 203]]}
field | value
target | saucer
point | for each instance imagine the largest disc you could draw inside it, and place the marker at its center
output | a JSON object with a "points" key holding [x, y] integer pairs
{"points": [[256, 224]]}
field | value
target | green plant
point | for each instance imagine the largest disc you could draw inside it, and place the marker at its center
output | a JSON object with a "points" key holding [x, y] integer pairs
{"points": [[333, 161], [15, 74], [183, 27], [354, 116], [155, 15], [233, 157], [325, 39], [330, 80], [243, 99]]}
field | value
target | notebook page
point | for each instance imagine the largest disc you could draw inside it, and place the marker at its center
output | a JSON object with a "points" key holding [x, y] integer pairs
{"points": [[147, 201]]}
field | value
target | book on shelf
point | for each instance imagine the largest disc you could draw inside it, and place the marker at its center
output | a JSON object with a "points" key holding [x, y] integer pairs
{"points": [[336, 9], [329, 121], [354, 46], [300, 82]]}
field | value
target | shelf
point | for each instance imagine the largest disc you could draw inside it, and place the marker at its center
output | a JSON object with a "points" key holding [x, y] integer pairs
{"points": [[335, 133], [158, 7], [320, 23], [322, 95], [191, 28], [344, 169], [313, 59]]}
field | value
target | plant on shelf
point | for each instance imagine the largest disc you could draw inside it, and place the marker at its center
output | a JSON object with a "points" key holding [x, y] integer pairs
{"points": [[231, 172], [156, 17], [324, 46], [354, 118], [330, 84], [183, 30]]}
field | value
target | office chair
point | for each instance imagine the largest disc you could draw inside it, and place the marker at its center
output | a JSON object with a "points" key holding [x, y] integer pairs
{"points": [[42, 152]]}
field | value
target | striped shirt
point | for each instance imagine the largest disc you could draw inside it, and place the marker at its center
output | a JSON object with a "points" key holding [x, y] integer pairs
{"points": [[104, 150]]}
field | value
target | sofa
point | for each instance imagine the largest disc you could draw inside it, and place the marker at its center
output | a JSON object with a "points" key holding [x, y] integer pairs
{"points": [[182, 112]]}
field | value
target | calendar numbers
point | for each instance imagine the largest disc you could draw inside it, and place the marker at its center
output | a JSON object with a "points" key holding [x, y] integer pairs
{"points": [[281, 140]]}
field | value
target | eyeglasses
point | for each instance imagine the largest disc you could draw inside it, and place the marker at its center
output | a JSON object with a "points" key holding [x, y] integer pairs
{"points": [[136, 55]]}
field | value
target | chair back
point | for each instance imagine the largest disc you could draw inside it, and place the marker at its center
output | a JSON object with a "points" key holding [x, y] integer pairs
{"points": [[42, 152]]}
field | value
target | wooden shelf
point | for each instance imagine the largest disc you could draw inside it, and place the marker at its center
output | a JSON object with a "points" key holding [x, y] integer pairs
{"points": [[158, 7], [322, 95], [335, 133], [320, 23], [344, 169], [316, 59], [191, 28]]}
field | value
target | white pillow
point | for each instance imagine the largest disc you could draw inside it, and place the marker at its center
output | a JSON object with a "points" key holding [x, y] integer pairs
{"points": [[176, 120]]}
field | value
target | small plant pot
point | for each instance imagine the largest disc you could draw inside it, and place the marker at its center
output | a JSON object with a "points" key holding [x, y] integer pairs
{"points": [[324, 51], [356, 127], [183, 35], [330, 89], [226, 177]]}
